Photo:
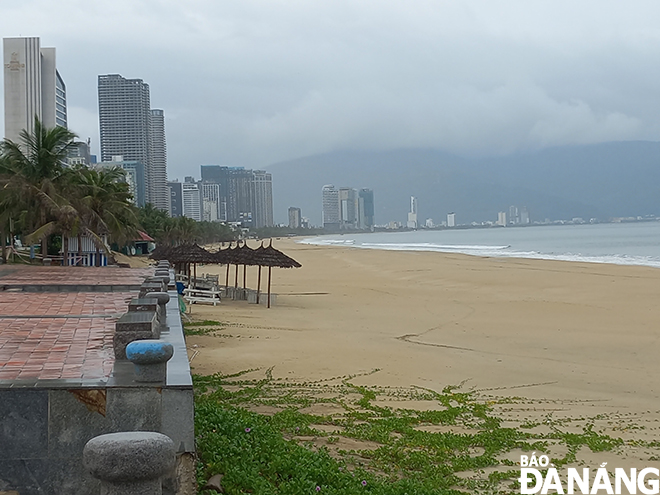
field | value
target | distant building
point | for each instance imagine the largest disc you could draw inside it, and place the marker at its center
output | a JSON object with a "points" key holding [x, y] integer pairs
{"points": [[210, 201], [514, 215], [295, 218], [176, 198], [331, 213], [429, 223], [451, 219], [158, 191], [33, 87], [366, 209], [135, 176], [412, 214], [262, 197], [501, 218], [348, 208], [79, 154], [130, 128], [524, 216], [191, 199]]}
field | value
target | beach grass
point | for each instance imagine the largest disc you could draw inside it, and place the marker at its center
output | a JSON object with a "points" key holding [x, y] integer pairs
{"points": [[273, 436]]}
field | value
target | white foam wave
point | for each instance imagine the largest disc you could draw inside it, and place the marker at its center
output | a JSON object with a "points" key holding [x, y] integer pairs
{"points": [[492, 252]]}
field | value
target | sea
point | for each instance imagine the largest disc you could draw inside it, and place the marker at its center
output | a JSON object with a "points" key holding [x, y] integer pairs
{"points": [[634, 243]]}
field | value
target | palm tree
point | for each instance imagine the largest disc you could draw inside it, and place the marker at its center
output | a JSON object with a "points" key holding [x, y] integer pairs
{"points": [[32, 174], [103, 199]]}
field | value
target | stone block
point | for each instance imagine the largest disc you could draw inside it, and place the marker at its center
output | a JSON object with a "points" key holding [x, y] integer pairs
{"points": [[23, 424], [136, 321], [75, 417], [134, 409], [178, 418]]}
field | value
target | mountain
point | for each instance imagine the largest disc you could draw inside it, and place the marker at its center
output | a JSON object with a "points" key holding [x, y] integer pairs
{"points": [[591, 181]]}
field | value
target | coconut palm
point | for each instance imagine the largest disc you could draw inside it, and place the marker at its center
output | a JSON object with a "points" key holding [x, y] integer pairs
{"points": [[103, 199], [32, 173]]}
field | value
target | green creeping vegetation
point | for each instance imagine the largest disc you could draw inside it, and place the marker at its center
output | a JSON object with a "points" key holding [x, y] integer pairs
{"points": [[206, 327], [270, 436]]}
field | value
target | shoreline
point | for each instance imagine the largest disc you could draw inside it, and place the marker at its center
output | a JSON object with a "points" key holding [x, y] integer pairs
{"points": [[507, 243]]}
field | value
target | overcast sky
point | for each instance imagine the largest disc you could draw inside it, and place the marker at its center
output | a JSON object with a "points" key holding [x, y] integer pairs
{"points": [[253, 82]]}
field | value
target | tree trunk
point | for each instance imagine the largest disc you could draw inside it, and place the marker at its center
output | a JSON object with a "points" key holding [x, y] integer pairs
{"points": [[79, 260], [3, 239], [65, 250]]}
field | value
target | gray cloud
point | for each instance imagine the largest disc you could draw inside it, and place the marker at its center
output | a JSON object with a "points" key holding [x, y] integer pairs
{"points": [[253, 82]]}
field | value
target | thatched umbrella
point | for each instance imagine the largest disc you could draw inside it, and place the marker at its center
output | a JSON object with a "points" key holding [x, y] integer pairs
{"points": [[271, 257], [187, 254], [160, 252], [227, 256]]}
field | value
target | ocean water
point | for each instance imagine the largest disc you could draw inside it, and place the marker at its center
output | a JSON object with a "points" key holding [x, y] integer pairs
{"points": [[617, 243]]}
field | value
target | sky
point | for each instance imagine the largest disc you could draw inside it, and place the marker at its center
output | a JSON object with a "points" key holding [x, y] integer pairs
{"points": [[253, 82]]}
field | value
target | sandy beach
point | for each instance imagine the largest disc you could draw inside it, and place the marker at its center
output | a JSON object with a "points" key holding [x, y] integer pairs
{"points": [[567, 338]]}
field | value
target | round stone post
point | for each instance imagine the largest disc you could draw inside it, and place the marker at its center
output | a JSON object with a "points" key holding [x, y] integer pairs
{"points": [[130, 463], [150, 358]]}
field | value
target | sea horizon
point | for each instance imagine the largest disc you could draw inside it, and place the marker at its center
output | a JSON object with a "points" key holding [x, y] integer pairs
{"points": [[635, 243]]}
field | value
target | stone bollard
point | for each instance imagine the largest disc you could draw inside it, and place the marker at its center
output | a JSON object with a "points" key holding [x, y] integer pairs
{"points": [[163, 298], [134, 326], [151, 286], [163, 275], [130, 463], [150, 358]]}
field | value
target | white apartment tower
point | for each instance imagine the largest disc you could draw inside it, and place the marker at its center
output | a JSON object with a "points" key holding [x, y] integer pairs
{"points": [[331, 215], [263, 199], [192, 203], [412, 214], [33, 87], [158, 190]]}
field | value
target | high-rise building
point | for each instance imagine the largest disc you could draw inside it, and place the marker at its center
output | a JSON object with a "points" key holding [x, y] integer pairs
{"points": [[134, 177], [125, 120], [191, 199], [158, 154], [79, 154], [451, 219], [176, 198], [245, 196], [366, 209], [295, 217], [412, 214], [210, 201], [348, 207], [33, 87], [501, 218], [331, 213], [263, 199], [524, 216]]}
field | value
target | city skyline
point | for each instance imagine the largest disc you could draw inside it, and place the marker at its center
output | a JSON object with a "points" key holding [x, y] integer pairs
{"points": [[512, 79]]}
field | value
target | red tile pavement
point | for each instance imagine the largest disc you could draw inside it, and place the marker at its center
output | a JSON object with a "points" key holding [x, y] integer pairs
{"points": [[64, 346], [65, 275], [46, 348], [63, 303]]}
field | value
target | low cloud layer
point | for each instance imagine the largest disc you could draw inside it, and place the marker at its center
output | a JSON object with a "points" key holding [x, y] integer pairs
{"points": [[254, 82]]}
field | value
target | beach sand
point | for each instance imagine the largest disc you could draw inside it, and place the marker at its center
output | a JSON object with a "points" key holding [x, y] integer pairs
{"points": [[570, 339]]}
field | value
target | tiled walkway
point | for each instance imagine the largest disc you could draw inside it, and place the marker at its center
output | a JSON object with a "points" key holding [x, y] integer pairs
{"points": [[60, 335], [63, 275]]}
